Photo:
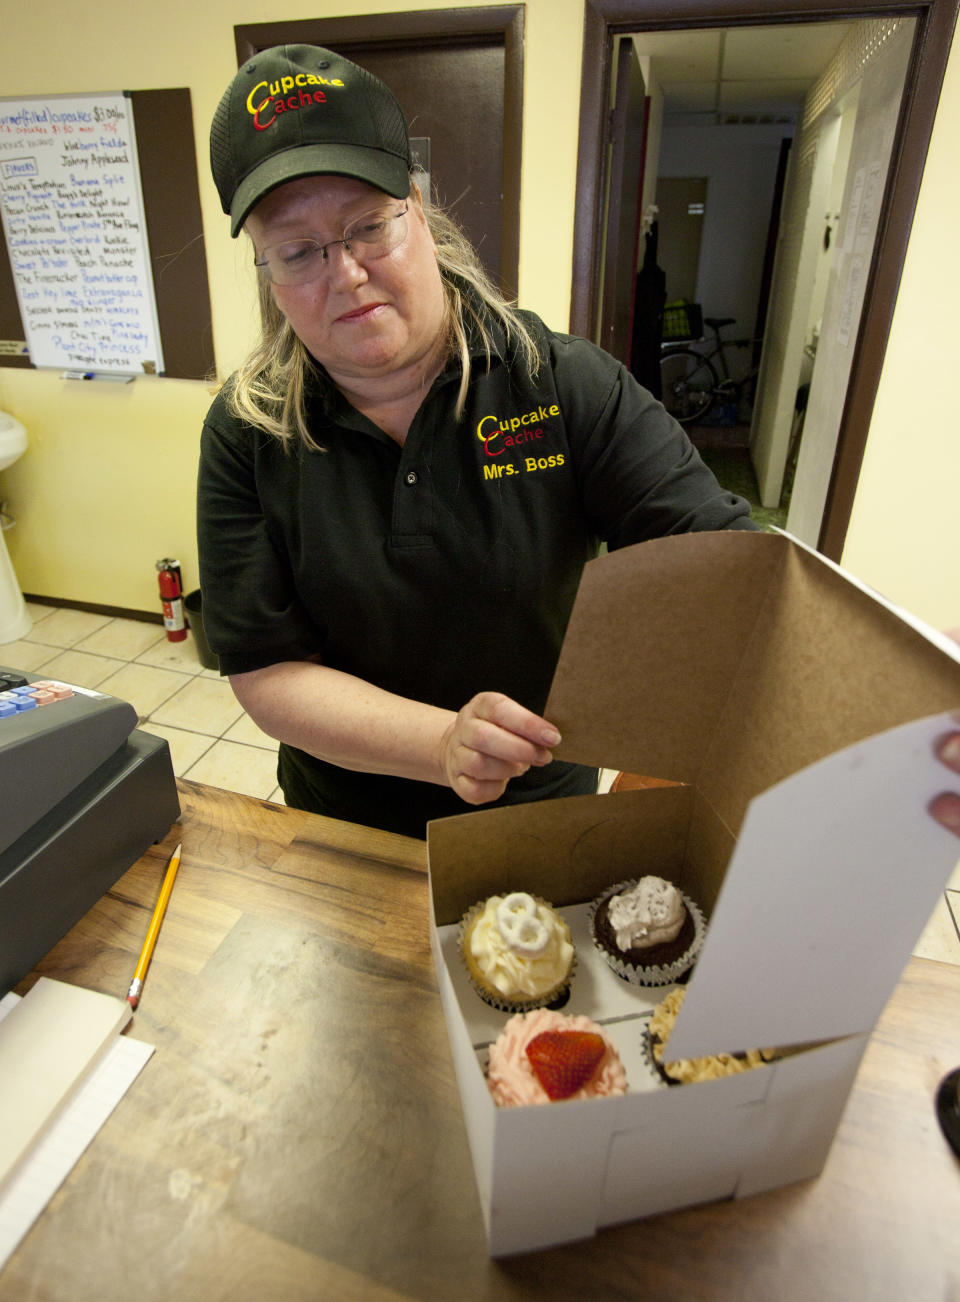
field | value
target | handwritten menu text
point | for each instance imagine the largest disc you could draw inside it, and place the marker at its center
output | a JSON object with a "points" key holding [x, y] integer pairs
{"points": [[76, 237]]}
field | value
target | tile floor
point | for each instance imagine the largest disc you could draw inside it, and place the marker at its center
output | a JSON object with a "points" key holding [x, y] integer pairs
{"points": [[211, 739]]}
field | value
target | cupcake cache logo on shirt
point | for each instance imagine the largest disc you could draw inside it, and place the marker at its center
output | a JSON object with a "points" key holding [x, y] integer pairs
{"points": [[269, 99], [496, 435], [524, 431]]}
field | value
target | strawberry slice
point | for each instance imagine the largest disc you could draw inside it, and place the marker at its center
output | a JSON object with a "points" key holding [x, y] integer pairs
{"points": [[563, 1061]]}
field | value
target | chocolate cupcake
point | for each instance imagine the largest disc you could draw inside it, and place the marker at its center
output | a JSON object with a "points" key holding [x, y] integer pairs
{"points": [[649, 932], [518, 952]]}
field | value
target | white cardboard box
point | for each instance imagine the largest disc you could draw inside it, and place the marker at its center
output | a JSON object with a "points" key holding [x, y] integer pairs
{"points": [[800, 712]]}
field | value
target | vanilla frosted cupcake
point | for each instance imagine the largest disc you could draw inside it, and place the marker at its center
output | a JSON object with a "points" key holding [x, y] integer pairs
{"points": [[685, 1071], [543, 1057], [649, 932], [517, 950]]}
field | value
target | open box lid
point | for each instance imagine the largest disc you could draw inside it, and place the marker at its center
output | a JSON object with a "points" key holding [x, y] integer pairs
{"points": [[732, 662]]}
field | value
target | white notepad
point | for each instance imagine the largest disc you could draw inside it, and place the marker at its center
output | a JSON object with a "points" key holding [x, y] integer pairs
{"points": [[48, 1044], [70, 1034]]}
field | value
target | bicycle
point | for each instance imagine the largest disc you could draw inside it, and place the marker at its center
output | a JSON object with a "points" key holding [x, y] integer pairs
{"points": [[690, 384]]}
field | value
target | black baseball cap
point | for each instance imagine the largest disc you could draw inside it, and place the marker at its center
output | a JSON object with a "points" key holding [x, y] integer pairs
{"points": [[301, 110]]}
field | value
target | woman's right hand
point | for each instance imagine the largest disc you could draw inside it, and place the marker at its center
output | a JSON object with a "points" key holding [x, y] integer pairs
{"points": [[491, 740]]}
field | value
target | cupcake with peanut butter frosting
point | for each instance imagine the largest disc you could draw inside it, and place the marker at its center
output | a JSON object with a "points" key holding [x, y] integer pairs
{"points": [[687, 1071], [518, 952], [649, 932]]}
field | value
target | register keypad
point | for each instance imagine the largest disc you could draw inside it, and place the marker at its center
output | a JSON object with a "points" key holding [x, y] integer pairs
{"points": [[17, 694]]}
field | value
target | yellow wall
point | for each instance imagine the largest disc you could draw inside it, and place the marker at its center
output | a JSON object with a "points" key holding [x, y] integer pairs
{"points": [[107, 485], [904, 535]]}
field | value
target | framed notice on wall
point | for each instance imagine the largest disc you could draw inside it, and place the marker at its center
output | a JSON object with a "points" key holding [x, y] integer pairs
{"points": [[76, 236]]}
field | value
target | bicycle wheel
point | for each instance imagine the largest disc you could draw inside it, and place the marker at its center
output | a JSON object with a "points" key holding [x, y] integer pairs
{"points": [[688, 383]]}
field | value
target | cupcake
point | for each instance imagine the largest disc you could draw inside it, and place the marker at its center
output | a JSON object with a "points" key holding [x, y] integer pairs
{"points": [[518, 951], [685, 1071], [543, 1057], [649, 932]]}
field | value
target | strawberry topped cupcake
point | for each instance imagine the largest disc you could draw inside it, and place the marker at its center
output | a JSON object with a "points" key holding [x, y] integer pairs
{"points": [[543, 1057]]}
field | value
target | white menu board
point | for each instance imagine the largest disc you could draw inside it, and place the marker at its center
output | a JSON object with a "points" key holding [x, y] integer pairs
{"points": [[76, 236]]}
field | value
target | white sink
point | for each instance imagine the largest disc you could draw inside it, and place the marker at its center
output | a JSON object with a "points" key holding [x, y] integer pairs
{"points": [[13, 440], [14, 620]]}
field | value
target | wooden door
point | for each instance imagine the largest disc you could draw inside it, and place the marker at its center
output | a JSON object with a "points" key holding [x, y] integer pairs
{"points": [[682, 203]]}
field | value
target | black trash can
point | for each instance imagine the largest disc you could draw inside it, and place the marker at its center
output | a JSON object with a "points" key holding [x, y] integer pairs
{"points": [[192, 604]]}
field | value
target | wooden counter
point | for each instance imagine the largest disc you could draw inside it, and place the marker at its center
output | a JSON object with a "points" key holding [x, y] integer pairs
{"points": [[298, 1135]]}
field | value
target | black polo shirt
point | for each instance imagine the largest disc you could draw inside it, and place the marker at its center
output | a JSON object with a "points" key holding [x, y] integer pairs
{"points": [[447, 566]]}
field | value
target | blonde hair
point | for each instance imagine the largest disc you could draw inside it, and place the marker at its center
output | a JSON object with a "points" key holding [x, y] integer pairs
{"points": [[269, 389]]}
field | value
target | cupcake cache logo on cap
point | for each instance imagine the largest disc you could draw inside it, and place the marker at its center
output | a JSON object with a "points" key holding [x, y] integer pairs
{"points": [[300, 110]]}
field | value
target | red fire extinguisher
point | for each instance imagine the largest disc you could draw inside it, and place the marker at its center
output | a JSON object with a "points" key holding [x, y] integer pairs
{"points": [[171, 600]]}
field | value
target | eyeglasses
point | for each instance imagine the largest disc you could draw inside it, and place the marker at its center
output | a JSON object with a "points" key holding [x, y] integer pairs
{"points": [[297, 262]]}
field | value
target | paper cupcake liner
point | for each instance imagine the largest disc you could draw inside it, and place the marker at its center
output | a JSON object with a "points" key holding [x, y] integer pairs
{"points": [[654, 1068], [553, 998], [654, 974]]}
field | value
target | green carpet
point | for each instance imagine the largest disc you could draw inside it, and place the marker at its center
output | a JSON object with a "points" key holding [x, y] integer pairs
{"points": [[734, 469]]}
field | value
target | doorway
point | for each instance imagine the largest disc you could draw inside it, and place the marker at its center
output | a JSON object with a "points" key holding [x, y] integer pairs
{"points": [[833, 95], [606, 19]]}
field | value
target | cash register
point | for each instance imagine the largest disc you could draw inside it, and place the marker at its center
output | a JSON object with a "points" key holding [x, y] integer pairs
{"points": [[83, 793]]}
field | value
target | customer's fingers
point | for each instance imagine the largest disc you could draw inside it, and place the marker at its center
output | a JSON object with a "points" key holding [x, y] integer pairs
{"points": [[948, 751], [945, 808]]}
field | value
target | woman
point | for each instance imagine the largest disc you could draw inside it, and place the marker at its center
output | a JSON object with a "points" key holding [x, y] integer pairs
{"points": [[400, 487]]}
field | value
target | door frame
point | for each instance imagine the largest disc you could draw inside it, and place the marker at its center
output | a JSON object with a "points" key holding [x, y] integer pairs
{"points": [[935, 20], [623, 205], [419, 28]]}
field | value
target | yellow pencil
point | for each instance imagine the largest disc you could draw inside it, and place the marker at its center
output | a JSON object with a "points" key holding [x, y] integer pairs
{"points": [[136, 985]]}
